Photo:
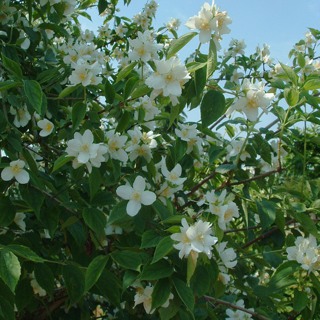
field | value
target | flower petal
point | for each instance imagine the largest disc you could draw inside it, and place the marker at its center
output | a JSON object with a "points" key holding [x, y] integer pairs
{"points": [[148, 197], [124, 192], [133, 208]]}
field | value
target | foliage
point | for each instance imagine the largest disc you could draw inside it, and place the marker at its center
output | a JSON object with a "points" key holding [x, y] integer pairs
{"points": [[114, 205]]}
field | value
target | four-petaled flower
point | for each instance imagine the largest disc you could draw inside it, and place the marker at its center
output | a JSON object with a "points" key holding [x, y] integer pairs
{"points": [[137, 195], [46, 127]]}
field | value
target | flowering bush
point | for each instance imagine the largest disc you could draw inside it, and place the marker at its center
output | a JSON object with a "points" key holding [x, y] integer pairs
{"points": [[114, 205]]}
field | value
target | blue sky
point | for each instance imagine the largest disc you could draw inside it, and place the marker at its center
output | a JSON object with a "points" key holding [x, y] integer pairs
{"points": [[278, 23]]}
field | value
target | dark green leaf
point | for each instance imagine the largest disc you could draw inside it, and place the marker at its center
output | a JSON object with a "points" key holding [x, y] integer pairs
{"points": [[163, 249], [158, 270], [5, 85], [94, 271], [128, 259], [7, 211], [68, 90], [74, 281], [212, 107], [110, 92], [95, 220], [78, 113], [150, 239], [12, 66], [160, 293], [10, 269], [24, 252], [300, 300], [184, 292], [33, 91], [44, 277], [267, 212], [60, 162]]}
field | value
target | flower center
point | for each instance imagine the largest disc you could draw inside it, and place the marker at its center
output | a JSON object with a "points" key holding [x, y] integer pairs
{"points": [[85, 147], [136, 196], [16, 169]]}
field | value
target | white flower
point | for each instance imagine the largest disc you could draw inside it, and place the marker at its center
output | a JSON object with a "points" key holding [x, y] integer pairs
{"points": [[254, 98], [82, 147], [21, 116], [144, 296], [173, 176], [143, 47], [238, 314], [46, 126], [234, 149], [19, 220], [228, 256], [137, 195], [169, 78], [115, 145], [36, 287], [85, 151], [15, 170], [204, 22], [196, 238], [306, 252]]}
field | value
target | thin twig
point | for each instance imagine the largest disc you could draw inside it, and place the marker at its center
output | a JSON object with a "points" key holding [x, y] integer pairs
{"points": [[212, 300]]}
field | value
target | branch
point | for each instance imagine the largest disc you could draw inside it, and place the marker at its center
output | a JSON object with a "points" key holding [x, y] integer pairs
{"points": [[212, 300]]}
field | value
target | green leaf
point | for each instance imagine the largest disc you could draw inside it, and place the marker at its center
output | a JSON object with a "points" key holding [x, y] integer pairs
{"points": [[12, 66], [94, 271], [74, 281], [119, 214], [125, 71], [95, 220], [67, 91], [150, 239], [109, 287], [129, 86], [158, 270], [24, 252], [7, 311], [124, 122], [7, 211], [163, 248], [33, 91], [32, 197], [212, 107], [300, 300], [160, 293], [10, 269], [140, 91], [184, 292], [191, 265], [177, 44], [109, 92], [5, 85], [60, 162], [306, 222], [95, 181], [200, 80], [212, 59], [312, 84], [44, 277], [292, 96], [267, 212], [127, 259], [78, 113], [290, 73], [282, 277]]}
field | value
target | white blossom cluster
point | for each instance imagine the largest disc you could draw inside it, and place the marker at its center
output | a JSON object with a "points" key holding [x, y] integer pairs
{"points": [[306, 252]]}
